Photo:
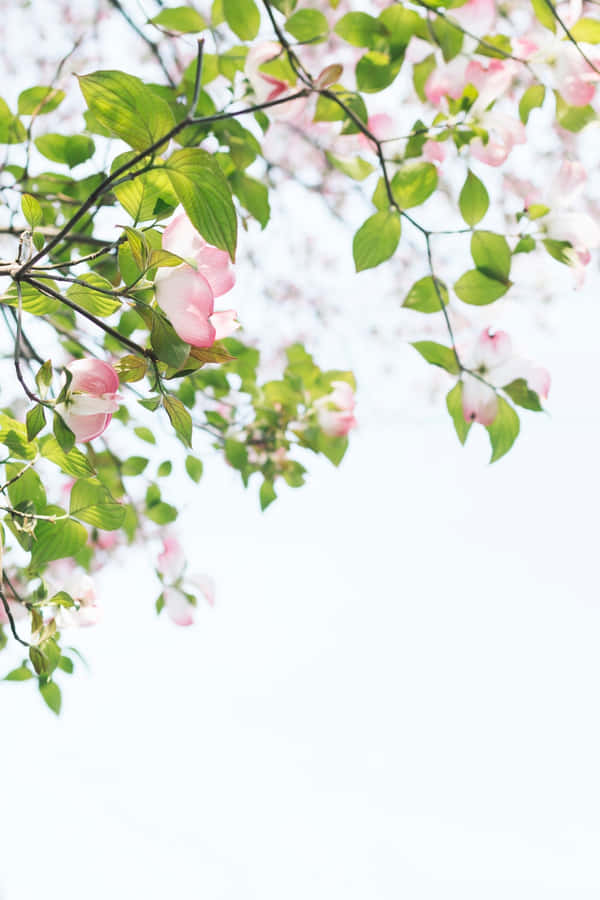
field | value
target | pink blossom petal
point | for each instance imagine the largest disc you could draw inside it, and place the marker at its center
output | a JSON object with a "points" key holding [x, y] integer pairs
{"points": [[93, 376], [492, 350], [479, 401], [171, 561], [206, 585], [215, 266], [187, 299], [224, 323], [178, 607]]}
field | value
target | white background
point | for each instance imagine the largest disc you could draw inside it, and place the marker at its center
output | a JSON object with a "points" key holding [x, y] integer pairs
{"points": [[396, 695]]}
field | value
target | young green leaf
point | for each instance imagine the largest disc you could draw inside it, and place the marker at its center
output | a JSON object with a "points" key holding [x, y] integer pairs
{"points": [[504, 430], [427, 295], [474, 199], [438, 355], [376, 240]]}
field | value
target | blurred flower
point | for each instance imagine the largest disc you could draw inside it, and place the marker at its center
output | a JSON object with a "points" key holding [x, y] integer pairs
{"points": [[335, 411]]}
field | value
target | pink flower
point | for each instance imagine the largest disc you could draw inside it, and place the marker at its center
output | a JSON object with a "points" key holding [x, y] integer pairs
{"points": [[492, 359], [446, 80], [476, 15], [180, 237], [64, 576], [267, 87], [171, 565], [434, 151], [335, 412], [576, 79], [171, 561], [91, 398], [503, 133], [187, 293]]}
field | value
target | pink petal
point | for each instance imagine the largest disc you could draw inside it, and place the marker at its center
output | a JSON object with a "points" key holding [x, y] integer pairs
{"points": [[180, 237], [479, 401], [206, 585], [179, 609], [224, 323], [187, 299], [215, 266], [171, 561], [86, 428], [492, 350], [93, 376]]}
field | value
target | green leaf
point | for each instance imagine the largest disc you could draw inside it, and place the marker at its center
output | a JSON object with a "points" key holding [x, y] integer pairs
{"points": [[183, 19], [544, 14], [51, 694], [438, 355], [376, 71], [478, 289], [162, 513], [454, 405], [525, 245], [179, 417], [587, 30], [448, 37], [558, 250], [33, 301], [532, 98], [354, 167], [504, 430], [204, 193], [166, 343], [359, 29], [134, 465], [376, 240], [194, 468], [308, 25], [32, 210], [145, 434], [13, 435], [131, 368], [424, 297], [253, 195], [70, 150], [127, 107], [473, 200], [236, 453], [92, 503], [39, 100], [11, 128], [165, 468], [414, 183], [74, 463], [147, 196], [35, 421], [28, 487], [521, 394], [56, 540], [491, 254], [21, 673], [243, 18], [267, 494], [573, 118], [62, 433], [89, 295], [421, 72]]}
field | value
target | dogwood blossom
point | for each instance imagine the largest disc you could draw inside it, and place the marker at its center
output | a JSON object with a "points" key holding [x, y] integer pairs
{"points": [[494, 366], [171, 566], [187, 292], [335, 411], [91, 399]]}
